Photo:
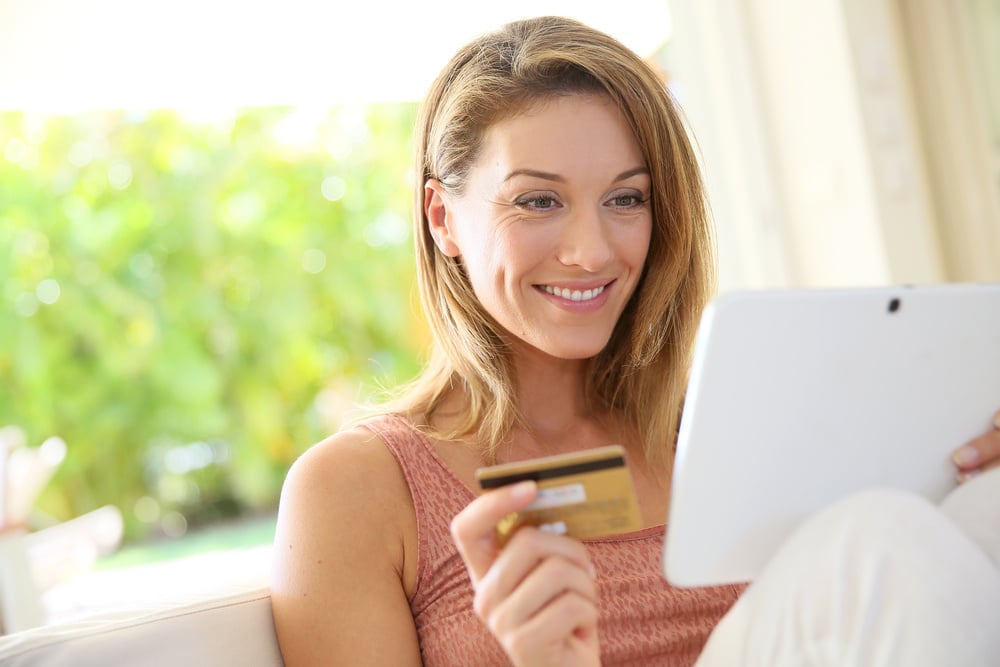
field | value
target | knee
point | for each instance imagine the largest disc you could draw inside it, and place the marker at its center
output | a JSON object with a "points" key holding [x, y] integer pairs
{"points": [[975, 498], [882, 524], [878, 509], [975, 508]]}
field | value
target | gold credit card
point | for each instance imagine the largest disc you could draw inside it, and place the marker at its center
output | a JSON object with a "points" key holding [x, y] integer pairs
{"points": [[582, 494]]}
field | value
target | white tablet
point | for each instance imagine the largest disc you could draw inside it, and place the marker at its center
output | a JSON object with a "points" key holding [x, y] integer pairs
{"points": [[798, 398]]}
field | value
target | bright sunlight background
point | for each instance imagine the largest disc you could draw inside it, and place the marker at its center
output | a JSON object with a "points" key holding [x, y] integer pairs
{"points": [[66, 55]]}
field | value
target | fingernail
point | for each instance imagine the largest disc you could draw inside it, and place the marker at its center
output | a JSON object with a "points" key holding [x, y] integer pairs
{"points": [[522, 490], [996, 419], [966, 456], [964, 477]]}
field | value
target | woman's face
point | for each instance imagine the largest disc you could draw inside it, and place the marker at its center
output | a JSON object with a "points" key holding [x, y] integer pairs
{"points": [[554, 224]]}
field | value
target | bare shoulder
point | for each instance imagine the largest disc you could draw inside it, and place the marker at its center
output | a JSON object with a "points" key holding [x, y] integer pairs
{"points": [[345, 528], [348, 484], [351, 467]]}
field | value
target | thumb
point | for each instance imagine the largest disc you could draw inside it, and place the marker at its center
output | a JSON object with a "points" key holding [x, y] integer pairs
{"points": [[474, 528]]}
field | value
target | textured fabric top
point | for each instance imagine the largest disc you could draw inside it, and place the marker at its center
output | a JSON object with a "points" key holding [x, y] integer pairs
{"points": [[643, 620]]}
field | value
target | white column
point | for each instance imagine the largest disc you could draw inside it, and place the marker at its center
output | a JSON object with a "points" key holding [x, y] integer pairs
{"points": [[20, 604], [953, 90]]}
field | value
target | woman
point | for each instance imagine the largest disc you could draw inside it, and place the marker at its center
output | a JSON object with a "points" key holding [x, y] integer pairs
{"points": [[563, 258]]}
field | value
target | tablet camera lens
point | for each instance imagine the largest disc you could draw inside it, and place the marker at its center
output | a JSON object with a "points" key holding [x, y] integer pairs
{"points": [[894, 304]]}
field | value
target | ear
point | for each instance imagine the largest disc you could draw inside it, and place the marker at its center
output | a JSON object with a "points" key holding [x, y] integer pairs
{"points": [[439, 218]]}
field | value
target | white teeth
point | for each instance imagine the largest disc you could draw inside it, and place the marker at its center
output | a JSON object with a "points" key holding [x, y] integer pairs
{"points": [[575, 295]]}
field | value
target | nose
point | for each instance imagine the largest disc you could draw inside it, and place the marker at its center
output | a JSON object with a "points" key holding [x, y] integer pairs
{"points": [[585, 241]]}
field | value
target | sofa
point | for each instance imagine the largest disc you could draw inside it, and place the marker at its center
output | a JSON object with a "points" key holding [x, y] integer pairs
{"points": [[230, 628]]}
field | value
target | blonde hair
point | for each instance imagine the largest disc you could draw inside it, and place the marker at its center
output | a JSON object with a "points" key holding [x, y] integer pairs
{"points": [[642, 373]]}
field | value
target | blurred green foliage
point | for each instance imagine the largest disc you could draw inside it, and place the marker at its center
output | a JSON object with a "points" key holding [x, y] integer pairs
{"points": [[191, 301]]}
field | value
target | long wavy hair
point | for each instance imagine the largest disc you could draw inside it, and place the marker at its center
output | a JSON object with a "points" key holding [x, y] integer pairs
{"points": [[641, 375]]}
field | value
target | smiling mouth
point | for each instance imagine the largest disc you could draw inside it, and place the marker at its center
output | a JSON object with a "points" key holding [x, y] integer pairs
{"points": [[573, 295]]}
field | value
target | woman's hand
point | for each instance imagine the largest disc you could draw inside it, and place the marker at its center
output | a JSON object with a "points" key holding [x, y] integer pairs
{"points": [[537, 595], [979, 454]]}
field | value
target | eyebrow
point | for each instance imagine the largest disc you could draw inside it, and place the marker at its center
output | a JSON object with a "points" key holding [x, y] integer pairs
{"points": [[544, 175], [547, 176]]}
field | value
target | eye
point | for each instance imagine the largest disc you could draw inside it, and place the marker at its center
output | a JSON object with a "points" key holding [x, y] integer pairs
{"points": [[537, 202], [626, 200]]}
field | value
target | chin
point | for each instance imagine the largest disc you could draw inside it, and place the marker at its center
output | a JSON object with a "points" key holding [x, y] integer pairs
{"points": [[576, 351]]}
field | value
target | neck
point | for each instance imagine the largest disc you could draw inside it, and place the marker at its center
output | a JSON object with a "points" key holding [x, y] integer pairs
{"points": [[550, 391], [556, 418]]}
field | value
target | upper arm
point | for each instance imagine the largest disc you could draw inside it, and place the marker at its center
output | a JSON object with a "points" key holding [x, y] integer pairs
{"points": [[337, 584]]}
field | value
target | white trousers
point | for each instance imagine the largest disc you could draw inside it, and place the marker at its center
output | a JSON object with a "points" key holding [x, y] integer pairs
{"points": [[881, 578]]}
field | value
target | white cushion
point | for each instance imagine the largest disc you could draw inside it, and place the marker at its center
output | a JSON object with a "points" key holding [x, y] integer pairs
{"points": [[234, 629]]}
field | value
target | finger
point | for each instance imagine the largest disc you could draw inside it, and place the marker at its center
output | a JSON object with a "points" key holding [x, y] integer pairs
{"points": [[553, 578], [567, 615], [528, 548], [525, 551], [965, 475], [474, 528], [567, 628], [975, 454]]}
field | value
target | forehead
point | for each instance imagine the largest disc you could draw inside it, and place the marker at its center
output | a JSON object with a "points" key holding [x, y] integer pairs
{"points": [[563, 130]]}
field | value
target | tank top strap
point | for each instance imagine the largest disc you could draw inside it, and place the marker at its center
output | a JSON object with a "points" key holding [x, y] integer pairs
{"points": [[437, 492]]}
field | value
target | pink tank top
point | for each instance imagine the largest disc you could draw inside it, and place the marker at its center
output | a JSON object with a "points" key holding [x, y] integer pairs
{"points": [[643, 620]]}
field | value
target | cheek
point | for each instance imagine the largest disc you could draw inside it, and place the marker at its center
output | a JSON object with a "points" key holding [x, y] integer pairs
{"points": [[511, 251], [498, 269], [472, 236], [644, 244], [485, 256], [635, 244], [508, 252]]}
